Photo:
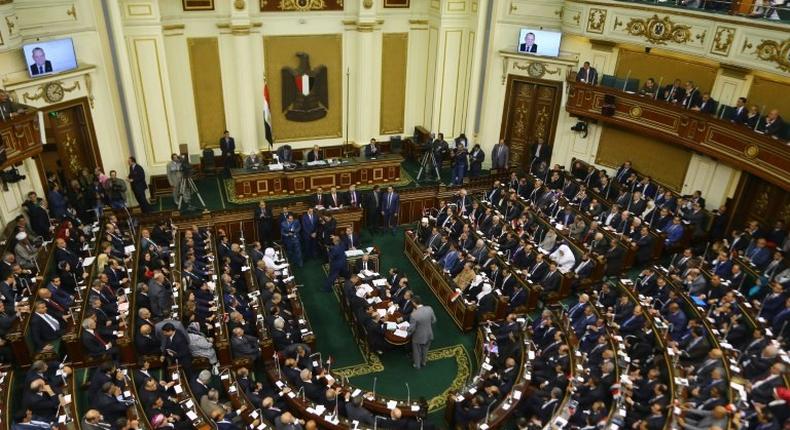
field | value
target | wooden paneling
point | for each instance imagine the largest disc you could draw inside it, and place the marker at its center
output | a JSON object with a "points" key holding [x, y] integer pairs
{"points": [[530, 113], [396, 3], [20, 138], [735, 145], [771, 94], [204, 64], [761, 201], [664, 162], [190, 5], [394, 52], [642, 65]]}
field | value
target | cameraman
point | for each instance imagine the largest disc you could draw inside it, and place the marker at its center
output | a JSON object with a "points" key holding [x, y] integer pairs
{"points": [[116, 190], [174, 175]]}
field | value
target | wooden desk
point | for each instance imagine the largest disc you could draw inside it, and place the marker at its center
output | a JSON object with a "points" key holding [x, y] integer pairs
{"points": [[305, 179]]}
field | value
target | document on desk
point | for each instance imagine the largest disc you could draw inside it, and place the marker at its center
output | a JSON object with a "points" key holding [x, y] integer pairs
{"points": [[354, 253], [401, 333], [88, 261]]}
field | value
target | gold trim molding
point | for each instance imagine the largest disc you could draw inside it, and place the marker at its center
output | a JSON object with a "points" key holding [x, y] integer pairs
{"points": [[659, 31], [775, 52], [39, 92]]}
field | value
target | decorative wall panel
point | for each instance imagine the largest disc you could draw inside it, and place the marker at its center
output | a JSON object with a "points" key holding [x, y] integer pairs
{"points": [[323, 50], [665, 162], [300, 5], [394, 48], [396, 3], [643, 66], [204, 64], [771, 94], [190, 5]]}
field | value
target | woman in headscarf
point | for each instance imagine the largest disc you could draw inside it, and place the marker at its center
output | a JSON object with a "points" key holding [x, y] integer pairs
{"points": [[467, 275], [564, 258], [549, 241], [268, 258], [486, 302], [199, 345]]}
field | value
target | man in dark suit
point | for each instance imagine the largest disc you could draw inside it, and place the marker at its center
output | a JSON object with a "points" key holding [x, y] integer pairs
{"points": [[337, 263], [587, 74], [175, 348], [227, 146], [8, 108], [309, 233], [137, 180], [738, 115], [500, 155], [44, 328], [318, 198], [624, 171], [373, 209], [40, 63], [390, 206], [350, 239], [372, 150], [352, 197], [315, 154], [551, 281], [706, 104], [691, 97], [773, 125], [540, 153], [528, 45], [674, 92], [285, 154]]}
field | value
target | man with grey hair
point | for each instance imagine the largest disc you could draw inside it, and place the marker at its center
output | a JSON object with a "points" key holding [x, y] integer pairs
{"points": [[96, 345], [421, 330]]}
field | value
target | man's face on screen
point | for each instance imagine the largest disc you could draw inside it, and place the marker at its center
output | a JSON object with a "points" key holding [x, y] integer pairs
{"points": [[39, 57]]}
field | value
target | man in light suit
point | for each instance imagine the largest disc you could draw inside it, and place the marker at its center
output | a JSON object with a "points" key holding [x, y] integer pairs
{"points": [[390, 206], [587, 74], [421, 331], [500, 155], [227, 145]]}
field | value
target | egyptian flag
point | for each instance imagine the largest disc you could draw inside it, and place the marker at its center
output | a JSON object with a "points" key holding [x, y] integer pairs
{"points": [[267, 116], [304, 83]]}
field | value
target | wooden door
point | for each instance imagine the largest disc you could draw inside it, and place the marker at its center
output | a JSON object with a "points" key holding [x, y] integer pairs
{"points": [[530, 113]]}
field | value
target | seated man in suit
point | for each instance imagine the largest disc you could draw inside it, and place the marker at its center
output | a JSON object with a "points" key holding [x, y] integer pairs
{"points": [[350, 239], [587, 74], [551, 280], [96, 345], [739, 112], [372, 150], [244, 345], [44, 328], [285, 154], [773, 125], [315, 154], [706, 105]]}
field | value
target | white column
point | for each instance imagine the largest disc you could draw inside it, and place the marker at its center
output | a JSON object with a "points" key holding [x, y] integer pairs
{"points": [[246, 137]]}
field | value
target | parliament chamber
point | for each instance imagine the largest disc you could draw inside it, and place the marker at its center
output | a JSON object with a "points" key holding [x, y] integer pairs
{"points": [[395, 214]]}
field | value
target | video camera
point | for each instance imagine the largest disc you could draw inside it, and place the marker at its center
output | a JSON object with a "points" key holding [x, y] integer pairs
{"points": [[11, 176], [186, 166]]}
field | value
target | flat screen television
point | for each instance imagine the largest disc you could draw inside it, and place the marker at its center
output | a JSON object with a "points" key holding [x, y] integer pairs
{"points": [[49, 57], [539, 42]]}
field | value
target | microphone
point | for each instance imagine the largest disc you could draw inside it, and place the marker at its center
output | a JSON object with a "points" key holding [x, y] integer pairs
{"points": [[301, 390], [408, 394], [488, 411], [375, 379]]}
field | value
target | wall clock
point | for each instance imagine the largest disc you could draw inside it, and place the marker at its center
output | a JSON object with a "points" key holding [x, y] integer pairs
{"points": [[53, 92], [536, 69]]}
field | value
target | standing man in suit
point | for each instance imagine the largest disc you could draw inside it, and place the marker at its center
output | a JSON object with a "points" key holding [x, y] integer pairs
{"points": [[40, 63], [587, 74], [500, 156], [528, 45], [175, 348], [337, 264], [264, 218], [353, 198], [389, 209], [227, 145], [540, 153], [137, 180], [373, 209], [738, 115], [310, 232], [421, 331]]}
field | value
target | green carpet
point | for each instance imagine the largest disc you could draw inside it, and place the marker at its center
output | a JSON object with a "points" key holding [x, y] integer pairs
{"points": [[450, 358]]}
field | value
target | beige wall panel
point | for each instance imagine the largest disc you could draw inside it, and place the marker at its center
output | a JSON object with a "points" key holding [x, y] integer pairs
{"points": [[326, 49], [394, 52], [665, 162], [643, 66], [204, 64], [449, 75], [147, 65], [772, 94]]}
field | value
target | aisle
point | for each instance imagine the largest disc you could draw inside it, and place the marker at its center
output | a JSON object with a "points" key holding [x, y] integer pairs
{"points": [[450, 357]]}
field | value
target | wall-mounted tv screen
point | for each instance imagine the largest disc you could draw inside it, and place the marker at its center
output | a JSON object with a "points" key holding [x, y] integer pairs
{"points": [[51, 56], [539, 42]]}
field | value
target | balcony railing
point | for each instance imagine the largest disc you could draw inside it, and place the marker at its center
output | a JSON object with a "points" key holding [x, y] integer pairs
{"points": [[734, 144], [758, 9], [21, 138]]}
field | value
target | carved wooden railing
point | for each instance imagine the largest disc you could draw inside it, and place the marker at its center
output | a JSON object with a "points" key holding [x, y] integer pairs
{"points": [[734, 144], [21, 138]]}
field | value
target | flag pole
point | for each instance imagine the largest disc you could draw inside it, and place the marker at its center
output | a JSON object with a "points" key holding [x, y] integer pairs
{"points": [[348, 75]]}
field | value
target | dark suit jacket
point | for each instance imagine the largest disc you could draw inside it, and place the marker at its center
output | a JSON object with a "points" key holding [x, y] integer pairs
{"points": [[179, 344], [137, 175], [228, 147], [390, 207], [739, 117], [41, 333], [369, 153], [523, 48], [775, 128], [312, 156], [583, 75], [34, 68], [708, 107]]}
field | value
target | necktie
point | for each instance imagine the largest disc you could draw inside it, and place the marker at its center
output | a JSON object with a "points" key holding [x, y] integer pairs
{"points": [[389, 203], [40, 69], [51, 321], [99, 338]]}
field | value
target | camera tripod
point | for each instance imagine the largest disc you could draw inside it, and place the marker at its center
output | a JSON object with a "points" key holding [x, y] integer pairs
{"points": [[428, 166], [185, 189]]}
